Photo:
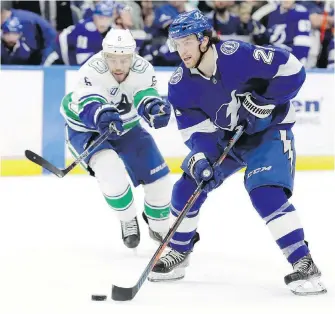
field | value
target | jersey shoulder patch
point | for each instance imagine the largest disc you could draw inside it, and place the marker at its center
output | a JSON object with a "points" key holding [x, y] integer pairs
{"points": [[140, 65], [176, 76], [98, 64], [229, 47]]}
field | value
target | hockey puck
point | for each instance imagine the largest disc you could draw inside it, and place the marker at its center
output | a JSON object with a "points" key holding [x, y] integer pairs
{"points": [[99, 297]]}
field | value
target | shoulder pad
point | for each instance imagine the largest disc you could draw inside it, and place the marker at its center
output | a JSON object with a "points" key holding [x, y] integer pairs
{"points": [[229, 47], [176, 76]]}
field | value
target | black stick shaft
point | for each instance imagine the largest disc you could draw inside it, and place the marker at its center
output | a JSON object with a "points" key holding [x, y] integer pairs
{"points": [[35, 158], [124, 294]]}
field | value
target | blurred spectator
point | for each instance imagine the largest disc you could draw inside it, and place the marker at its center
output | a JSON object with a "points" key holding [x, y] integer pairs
{"points": [[164, 15], [26, 37], [60, 14], [229, 25], [127, 13], [331, 55], [147, 11], [158, 51], [288, 26], [322, 19], [79, 42]]}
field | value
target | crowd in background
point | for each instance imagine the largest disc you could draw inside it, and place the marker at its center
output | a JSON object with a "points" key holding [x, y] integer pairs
{"points": [[70, 32]]}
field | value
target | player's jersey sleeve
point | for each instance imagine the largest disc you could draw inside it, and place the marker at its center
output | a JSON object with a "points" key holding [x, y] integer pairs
{"points": [[280, 72], [67, 42], [145, 82], [81, 107], [301, 34], [196, 128]]}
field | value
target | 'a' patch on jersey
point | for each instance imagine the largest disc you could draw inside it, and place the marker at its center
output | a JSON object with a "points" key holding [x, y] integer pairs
{"points": [[176, 76], [229, 47]]}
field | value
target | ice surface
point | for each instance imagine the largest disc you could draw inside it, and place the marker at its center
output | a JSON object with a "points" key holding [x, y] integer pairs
{"points": [[60, 243]]}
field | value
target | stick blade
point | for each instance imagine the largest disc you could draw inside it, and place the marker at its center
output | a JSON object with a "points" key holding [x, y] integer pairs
{"points": [[122, 294], [43, 163]]}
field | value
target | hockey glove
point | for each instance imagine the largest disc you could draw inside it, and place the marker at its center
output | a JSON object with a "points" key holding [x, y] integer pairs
{"points": [[109, 118], [256, 116], [155, 112], [201, 169]]}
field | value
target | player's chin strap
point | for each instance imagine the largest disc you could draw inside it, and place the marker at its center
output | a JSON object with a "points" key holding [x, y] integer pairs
{"points": [[202, 53]]}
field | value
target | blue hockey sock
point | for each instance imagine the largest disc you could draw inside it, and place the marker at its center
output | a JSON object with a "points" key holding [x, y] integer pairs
{"points": [[182, 190], [282, 220]]}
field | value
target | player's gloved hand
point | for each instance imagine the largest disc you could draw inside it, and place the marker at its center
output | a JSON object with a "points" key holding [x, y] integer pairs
{"points": [[257, 117], [201, 169], [108, 118], [155, 112]]}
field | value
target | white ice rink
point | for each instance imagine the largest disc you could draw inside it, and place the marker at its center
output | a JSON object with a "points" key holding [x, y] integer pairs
{"points": [[60, 243]]}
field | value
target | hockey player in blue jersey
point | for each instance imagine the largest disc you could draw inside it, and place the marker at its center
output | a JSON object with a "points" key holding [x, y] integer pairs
{"points": [[288, 26], [26, 38], [79, 42], [233, 83]]}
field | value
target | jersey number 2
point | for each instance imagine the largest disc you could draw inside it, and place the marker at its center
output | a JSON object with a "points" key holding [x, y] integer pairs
{"points": [[266, 57]]}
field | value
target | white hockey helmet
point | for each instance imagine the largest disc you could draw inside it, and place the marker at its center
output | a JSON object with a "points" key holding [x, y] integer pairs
{"points": [[119, 41]]}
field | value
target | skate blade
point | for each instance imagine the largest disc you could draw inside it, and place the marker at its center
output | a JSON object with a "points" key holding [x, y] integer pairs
{"points": [[312, 286], [173, 275]]}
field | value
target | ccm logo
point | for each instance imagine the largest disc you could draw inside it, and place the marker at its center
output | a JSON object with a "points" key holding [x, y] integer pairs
{"points": [[258, 170]]}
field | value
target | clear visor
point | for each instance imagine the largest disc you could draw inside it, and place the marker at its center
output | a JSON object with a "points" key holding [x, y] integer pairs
{"points": [[182, 42], [171, 44]]}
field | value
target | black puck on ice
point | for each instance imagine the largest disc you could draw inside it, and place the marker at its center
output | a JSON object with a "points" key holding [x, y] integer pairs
{"points": [[99, 297]]}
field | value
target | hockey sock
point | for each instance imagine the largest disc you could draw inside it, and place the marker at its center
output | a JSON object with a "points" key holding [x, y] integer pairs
{"points": [[282, 220], [122, 204], [182, 190]]}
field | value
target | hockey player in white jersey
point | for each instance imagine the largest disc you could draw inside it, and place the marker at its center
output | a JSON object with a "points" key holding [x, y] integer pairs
{"points": [[116, 88]]}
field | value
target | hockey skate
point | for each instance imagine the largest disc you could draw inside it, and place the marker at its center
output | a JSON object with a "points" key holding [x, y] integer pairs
{"points": [[154, 235], [305, 279], [130, 233], [170, 267]]}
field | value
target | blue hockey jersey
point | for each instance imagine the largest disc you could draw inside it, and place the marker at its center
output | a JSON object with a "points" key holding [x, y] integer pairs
{"points": [[79, 42], [289, 29], [206, 105], [228, 26], [36, 43]]}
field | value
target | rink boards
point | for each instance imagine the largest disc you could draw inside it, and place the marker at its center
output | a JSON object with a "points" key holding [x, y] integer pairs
{"points": [[31, 120]]}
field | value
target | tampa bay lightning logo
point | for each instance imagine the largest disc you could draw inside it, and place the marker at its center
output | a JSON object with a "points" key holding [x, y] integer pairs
{"points": [[226, 116], [176, 76], [229, 47]]}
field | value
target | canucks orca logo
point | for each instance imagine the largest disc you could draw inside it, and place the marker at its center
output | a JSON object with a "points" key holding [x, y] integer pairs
{"points": [[229, 47], [176, 76]]}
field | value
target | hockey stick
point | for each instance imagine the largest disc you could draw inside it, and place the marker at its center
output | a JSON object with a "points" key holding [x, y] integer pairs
{"points": [[62, 172], [126, 294]]}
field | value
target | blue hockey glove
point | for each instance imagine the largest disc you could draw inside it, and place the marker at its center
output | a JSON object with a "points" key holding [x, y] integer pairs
{"points": [[155, 112], [109, 118], [201, 169], [256, 116]]}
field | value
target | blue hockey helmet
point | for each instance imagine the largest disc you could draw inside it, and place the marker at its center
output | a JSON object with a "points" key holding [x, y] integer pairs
{"points": [[104, 8], [12, 25], [188, 23]]}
